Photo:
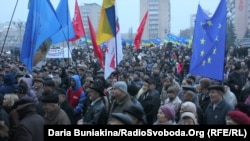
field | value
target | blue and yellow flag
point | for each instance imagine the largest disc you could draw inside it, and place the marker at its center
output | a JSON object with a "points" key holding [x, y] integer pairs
{"points": [[209, 43], [107, 25], [41, 24]]}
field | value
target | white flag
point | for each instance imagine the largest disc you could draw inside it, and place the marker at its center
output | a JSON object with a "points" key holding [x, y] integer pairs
{"points": [[112, 49]]}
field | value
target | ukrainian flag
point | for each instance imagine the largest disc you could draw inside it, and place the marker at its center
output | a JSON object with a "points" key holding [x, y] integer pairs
{"points": [[107, 25]]}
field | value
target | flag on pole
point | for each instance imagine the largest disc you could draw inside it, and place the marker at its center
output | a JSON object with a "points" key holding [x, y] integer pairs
{"points": [[66, 32], [113, 55], [209, 45], [97, 49], [77, 23], [41, 24], [140, 30], [107, 25]]}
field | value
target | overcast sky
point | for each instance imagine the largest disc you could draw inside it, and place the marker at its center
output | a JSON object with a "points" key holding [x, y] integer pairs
{"points": [[128, 11]]}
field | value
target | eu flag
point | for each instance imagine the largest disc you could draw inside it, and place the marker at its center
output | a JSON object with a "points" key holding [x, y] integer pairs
{"points": [[67, 31], [41, 24], [209, 43]]}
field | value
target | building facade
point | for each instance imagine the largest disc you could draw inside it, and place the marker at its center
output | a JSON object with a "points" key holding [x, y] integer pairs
{"points": [[93, 11], [158, 23]]}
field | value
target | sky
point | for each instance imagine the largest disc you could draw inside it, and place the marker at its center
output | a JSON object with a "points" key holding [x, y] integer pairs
{"points": [[128, 11]]}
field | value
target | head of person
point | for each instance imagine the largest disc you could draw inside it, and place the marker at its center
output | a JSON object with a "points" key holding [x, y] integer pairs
{"points": [[9, 100], [120, 119], [119, 90], [165, 114], [137, 114], [237, 117], [50, 102], [49, 85], [188, 118], [216, 93], [96, 91], [188, 92], [37, 83], [61, 95], [172, 92], [188, 107], [205, 83], [24, 106], [21, 90]]}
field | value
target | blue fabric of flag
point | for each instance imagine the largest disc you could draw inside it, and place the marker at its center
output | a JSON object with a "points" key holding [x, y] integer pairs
{"points": [[209, 43]]}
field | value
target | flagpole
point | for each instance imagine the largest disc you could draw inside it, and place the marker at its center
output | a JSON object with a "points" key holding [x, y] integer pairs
{"points": [[116, 52], [8, 28]]}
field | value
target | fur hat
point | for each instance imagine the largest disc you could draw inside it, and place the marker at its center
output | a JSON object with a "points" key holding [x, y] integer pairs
{"points": [[50, 98], [121, 85], [239, 117], [168, 112]]}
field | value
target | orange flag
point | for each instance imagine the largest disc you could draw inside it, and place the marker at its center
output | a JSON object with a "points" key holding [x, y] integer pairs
{"points": [[140, 30], [97, 50], [77, 23]]}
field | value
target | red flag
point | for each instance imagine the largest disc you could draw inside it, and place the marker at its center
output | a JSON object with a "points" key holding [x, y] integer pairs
{"points": [[140, 30], [97, 50], [77, 23]]}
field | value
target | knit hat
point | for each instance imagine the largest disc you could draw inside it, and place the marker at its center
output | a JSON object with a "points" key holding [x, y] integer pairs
{"points": [[239, 117], [188, 107], [190, 115], [168, 112], [121, 85], [122, 117]]}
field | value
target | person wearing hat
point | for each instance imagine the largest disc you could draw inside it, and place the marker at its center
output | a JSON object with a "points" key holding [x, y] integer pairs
{"points": [[218, 108], [64, 104], [120, 119], [150, 101], [76, 95], [54, 115], [237, 117], [31, 124], [37, 86], [8, 85], [121, 98], [137, 114], [165, 116], [49, 85], [188, 118], [236, 80], [96, 112], [203, 95]]}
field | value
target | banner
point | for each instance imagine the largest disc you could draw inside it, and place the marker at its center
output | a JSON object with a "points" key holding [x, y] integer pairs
{"points": [[59, 52]]}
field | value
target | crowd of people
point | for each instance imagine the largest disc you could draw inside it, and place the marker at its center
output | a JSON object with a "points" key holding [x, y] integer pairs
{"points": [[151, 86]]}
